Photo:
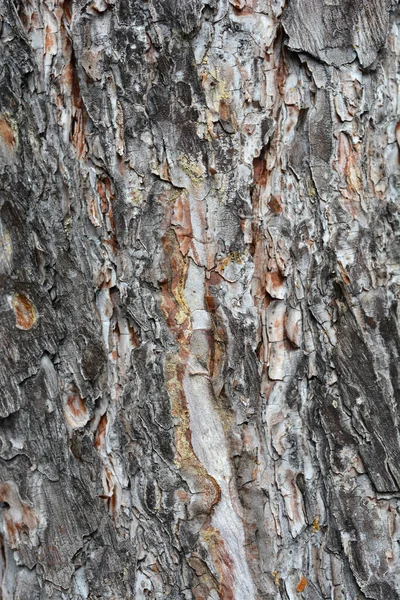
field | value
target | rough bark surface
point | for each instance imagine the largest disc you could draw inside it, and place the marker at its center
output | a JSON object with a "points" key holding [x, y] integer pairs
{"points": [[200, 273]]}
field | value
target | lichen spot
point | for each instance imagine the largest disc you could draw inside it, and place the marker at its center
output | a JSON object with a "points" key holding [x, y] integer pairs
{"points": [[7, 132], [302, 585], [194, 170], [25, 312], [315, 525]]}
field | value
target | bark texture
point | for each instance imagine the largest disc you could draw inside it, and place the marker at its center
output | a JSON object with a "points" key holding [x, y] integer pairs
{"points": [[200, 273]]}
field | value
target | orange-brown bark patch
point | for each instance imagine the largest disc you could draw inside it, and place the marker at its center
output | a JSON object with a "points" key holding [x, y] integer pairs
{"points": [[25, 312], [101, 432], [76, 405], [224, 110], [181, 219], [275, 205], [19, 518], [7, 133], [222, 561], [260, 170], [48, 41], [343, 273], [301, 585], [242, 12], [78, 135]]}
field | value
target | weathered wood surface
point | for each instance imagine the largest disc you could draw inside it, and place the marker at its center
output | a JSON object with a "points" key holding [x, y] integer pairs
{"points": [[200, 271]]}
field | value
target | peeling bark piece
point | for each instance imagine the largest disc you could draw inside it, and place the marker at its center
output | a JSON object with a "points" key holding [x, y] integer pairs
{"points": [[335, 32], [275, 319]]}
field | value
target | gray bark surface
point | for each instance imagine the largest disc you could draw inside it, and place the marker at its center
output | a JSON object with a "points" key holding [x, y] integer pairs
{"points": [[199, 284]]}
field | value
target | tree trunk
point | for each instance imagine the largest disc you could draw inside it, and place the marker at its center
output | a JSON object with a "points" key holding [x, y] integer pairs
{"points": [[200, 271]]}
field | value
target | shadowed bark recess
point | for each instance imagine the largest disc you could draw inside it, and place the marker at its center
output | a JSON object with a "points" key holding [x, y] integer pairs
{"points": [[199, 300]]}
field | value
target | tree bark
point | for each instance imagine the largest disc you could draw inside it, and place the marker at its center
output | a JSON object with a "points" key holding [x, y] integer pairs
{"points": [[200, 272]]}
